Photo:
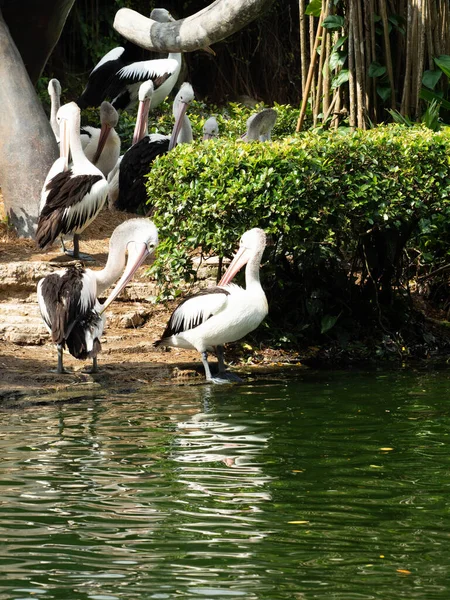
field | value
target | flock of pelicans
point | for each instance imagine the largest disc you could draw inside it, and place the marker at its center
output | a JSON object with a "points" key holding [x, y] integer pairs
{"points": [[75, 192]]}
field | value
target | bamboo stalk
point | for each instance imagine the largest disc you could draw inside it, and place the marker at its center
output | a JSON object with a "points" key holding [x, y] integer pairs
{"points": [[301, 8], [351, 68], [310, 75], [318, 94], [387, 51], [359, 64], [326, 76], [421, 52]]}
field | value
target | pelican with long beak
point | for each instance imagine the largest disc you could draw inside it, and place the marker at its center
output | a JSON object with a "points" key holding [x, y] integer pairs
{"points": [[68, 299], [222, 314], [102, 146]]}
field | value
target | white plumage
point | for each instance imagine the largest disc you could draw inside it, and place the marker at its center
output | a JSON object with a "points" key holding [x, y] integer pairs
{"points": [[68, 298], [222, 314]]}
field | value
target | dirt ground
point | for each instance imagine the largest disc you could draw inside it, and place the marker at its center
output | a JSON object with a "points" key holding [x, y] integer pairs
{"points": [[128, 359]]}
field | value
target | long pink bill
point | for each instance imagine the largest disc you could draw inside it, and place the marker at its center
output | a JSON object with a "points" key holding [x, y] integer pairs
{"points": [[104, 133], [137, 253], [240, 259], [177, 126], [141, 126]]}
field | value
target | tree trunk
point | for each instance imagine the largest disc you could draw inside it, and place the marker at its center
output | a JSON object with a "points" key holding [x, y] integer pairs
{"points": [[212, 24], [35, 26], [28, 146]]}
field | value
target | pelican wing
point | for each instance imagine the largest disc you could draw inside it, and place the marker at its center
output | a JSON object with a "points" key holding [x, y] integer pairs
{"points": [[195, 310], [65, 298], [135, 165], [158, 70], [72, 201]]}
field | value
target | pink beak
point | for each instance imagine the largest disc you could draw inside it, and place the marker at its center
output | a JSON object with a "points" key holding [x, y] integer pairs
{"points": [[137, 253], [104, 132], [177, 126], [240, 259], [141, 121]]}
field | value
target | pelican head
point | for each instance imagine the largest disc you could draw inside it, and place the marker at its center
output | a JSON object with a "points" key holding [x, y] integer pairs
{"points": [[109, 117], [260, 125], [66, 114], [54, 88], [145, 97], [210, 129], [182, 100], [161, 15], [251, 247], [139, 238]]}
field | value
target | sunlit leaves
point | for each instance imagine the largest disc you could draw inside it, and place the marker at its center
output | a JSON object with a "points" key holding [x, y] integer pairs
{"points": [[314, 8]]}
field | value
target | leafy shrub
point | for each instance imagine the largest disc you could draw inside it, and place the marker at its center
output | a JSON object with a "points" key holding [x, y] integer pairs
{"points": [[340, 208]]}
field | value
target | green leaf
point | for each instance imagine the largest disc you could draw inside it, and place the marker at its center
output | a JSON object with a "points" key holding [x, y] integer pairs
{"points": [[376, 70], [339, 43], [314, 8], [333, 22], [384, 92], [340, 78], [428, 95], [430, 78], [443, 62], [327, 322], [337, 59]]}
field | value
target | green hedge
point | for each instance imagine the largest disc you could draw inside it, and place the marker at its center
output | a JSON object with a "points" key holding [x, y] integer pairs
{"points": [[341, 208]]}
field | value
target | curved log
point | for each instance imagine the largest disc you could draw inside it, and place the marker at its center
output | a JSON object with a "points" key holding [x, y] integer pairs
{"points": [[28, 146], [210, 25]]}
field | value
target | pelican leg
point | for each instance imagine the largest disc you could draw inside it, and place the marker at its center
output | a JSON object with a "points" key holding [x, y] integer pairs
{"points": [[60, 368], [223, 373], [208, 375], [94, 368], [75, 253]]}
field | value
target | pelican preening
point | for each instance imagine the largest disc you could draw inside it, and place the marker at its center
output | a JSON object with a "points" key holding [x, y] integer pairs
{"points": [[102, 146], [136, 162], [222, 314], [260, 125], [71, 197], [68, 298], [119, 74]]}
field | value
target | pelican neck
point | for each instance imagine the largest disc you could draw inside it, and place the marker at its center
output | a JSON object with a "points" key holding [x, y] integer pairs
{"points": [[114, 267]]}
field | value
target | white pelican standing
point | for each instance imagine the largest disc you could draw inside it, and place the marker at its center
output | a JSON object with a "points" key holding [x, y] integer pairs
{"points": [[222, 314], [260, 125], [68, 298], [102, 146], [136, 162], [119, 74], [71, 197], [54, 91]]}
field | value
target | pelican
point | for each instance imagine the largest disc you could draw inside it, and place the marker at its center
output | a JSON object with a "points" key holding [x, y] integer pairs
{"points": [[68, 298], [222, 314], [54, 91], [140, 130], [119, 74], [210, 129], [260, 125], [137, 160], [102, 146], [72, 197]]}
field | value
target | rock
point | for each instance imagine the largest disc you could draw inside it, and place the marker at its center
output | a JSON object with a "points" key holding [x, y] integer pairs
{"points": [[134, 318]]}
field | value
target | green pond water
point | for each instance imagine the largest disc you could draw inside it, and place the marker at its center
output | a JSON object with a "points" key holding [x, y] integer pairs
{"points": [[330, 486]]}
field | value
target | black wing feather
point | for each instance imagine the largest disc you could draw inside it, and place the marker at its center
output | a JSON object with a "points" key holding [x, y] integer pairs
{"points": [[135, 165], [65, 190]]}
